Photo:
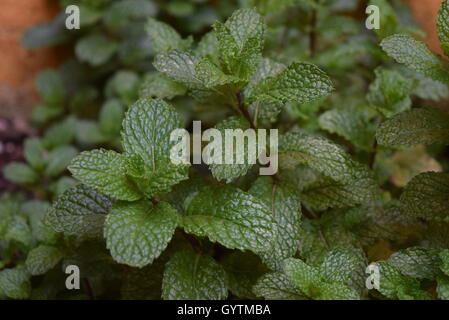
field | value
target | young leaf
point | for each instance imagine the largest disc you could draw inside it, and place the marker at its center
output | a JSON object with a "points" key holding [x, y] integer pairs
{"points": [[106, 171], [415, 55], [146, 139], [300, 82], [390, 92], [231, 217], [42, 259], [426, 125], [164, 38], [136, 233], [230, 172], [241, 40], [425, 196], [79, 211], [190, 276]]}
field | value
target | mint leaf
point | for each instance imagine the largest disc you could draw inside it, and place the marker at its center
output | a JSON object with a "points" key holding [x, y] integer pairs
{"points": [[42, 259], [417, 262], [190, 276], [425, 196], [136, 233], [15, 283], [286, 209], [231, 217], [95, 49], [111, 116], [350, 123], [277, 286], [309, 280], [164, 38], [79, 211], [329, 159], [443, 288], [106, 171], [444, 256], [300, 82], [58, 160], [241, 40], [51, 87], [34, 153], [158, 85], [443, 26], [426, 125], [146, 139], [19, 173], [390, 92], [395, 285], [415, 55], [230, 172], [179, 66]]}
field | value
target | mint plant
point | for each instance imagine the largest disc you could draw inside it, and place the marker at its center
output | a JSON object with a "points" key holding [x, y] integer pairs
{"points": [[357, 188]]}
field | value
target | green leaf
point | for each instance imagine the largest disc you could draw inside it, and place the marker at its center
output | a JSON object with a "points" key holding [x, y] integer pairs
{"points": [[395, 285], [36, 210], [345, 265], [15, 283], [144, 283], [42, 259], [443, 26], [34, 153], [417, 262], [329, 159], [350, 123], [190, 276], [426, 126], [425, 196], [59, 159], [51, 87], [46, 34], [158, 85], [230, 172], [241, 40], [277, 286], [286, 209], [415, 55], [146, 139], [95, 49], [136, 233], [301, 82], [443, 288], [309, 280], [20, 173], [179, 66], [231, 217], [105, 171], [59, 134], [79, 211], [390, 92], [111, 116], [164, 38], [444, 256]]}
